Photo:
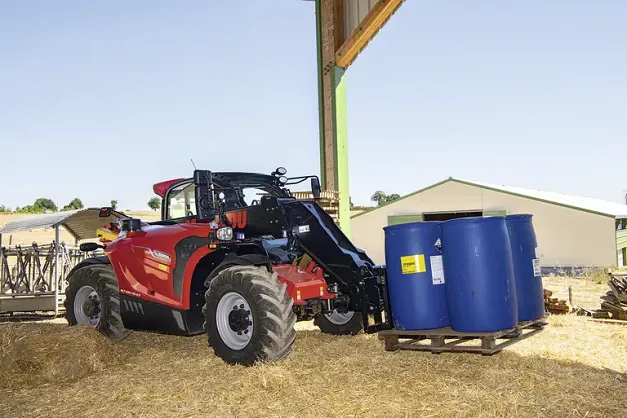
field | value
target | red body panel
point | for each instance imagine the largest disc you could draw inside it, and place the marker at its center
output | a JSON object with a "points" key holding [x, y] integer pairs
{"points": [[161, 188], [141, 263], [146, 261], [303, 284]]}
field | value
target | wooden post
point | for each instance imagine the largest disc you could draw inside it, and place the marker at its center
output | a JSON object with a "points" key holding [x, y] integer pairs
{"points": [[570, 296]]}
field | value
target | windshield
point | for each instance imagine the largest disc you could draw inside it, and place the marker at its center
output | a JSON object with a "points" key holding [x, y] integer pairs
{"points": [[181, 201], [240, 191]]}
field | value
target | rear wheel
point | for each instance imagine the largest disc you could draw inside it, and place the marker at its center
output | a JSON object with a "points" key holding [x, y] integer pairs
{"points": [[92, 298], [248, 316], [340, 323]]}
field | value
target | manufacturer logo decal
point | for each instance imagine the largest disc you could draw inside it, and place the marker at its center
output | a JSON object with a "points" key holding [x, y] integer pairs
{"points": [[236, 219]]}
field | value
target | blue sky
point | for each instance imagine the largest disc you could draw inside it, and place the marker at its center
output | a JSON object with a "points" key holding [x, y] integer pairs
{"points": [[100, 100]]}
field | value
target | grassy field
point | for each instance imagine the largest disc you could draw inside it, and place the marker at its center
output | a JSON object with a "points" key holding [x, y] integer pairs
{"points": [[572, 368]]}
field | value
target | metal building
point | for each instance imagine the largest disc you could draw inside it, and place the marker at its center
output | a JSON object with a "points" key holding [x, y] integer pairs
{"points": [[572, 232]]}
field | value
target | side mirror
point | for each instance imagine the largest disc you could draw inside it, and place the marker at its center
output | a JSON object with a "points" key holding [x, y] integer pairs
{"points": [[105, 212], [90, 246], [315, 187]]}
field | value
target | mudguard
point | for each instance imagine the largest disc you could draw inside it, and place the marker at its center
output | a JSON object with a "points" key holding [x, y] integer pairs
{"points": [[88, 262]]}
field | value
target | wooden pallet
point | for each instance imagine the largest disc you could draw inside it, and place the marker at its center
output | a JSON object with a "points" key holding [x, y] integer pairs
{"points": [[447, 340]]}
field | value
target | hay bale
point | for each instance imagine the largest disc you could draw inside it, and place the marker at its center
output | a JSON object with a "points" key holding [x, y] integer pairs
{"points": [[37, 354]]}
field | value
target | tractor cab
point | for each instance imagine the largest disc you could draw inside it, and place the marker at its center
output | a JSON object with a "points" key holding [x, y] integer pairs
{"points": [[223, 192]]}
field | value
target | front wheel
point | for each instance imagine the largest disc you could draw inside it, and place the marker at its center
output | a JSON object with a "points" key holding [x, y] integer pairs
{"points": [[248, 316], [340, 323], [92, 298]]}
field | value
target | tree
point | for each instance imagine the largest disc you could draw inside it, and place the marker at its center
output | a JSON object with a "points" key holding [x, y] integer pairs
{"points": [[378, 197], [4, 209], [75, 204], [42, 204], [381, 198], [154, 203], [114, 204], [358, 207]]}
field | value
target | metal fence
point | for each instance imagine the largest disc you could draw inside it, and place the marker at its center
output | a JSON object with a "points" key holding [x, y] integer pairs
{"points": [[28, 279]]}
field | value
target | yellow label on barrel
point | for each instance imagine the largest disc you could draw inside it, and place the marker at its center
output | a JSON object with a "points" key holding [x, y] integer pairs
{"points": [[411, 264]]}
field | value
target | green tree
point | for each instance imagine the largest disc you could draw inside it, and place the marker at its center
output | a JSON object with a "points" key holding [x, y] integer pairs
{"points": [[40, 205], [154, 203], [381, 197], [4, 209], [114, 204], [75, 204], [378, 197], [392, 197]]}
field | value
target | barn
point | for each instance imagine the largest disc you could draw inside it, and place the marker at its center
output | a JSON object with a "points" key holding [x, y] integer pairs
{"points": [[573, 233]]}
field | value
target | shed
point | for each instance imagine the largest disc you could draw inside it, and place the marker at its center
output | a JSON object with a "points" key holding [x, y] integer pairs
{"points": [[81, 224], [573, 232]]}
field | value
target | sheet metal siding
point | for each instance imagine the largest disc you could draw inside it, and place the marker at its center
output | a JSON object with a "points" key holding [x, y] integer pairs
{"points": [[566, 237], [621, 239], [354, 13], [33, 223], [81, 224]]}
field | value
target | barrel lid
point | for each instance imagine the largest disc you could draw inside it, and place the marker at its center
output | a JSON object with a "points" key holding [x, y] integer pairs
{"points": [[474, 219], [423, 224]]}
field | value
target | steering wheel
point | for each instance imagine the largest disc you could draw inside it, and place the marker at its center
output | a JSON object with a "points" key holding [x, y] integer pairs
{"points": [[254, 202]]}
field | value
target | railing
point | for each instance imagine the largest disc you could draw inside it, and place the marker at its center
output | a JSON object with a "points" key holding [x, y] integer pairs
{"points": [[28, 279]]}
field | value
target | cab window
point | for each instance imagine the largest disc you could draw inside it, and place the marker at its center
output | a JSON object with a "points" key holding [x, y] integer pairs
{"points": [[253, 195], [181, 201]]}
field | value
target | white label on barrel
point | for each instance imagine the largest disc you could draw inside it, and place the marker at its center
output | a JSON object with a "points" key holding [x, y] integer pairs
{"points": [[537, 272], [437, 269]]}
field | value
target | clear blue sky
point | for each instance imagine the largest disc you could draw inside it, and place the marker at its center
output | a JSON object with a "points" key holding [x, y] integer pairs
{"points": [[114, 96]]}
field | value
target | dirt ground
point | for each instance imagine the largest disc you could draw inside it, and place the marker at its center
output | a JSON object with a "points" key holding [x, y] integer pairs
{"points": [[574, 367]]}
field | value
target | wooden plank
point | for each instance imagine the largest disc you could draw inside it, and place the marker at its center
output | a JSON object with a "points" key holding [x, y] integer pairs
{"points": [[367, 29], [338, 17], [488, 346], [609, 321], [445, 340]]}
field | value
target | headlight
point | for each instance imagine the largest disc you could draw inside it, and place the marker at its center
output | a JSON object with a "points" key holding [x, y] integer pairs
{"points": [[225, 234]]}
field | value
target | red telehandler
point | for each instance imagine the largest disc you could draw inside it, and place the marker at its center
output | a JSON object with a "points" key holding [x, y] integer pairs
{"points": [[234, 255]]}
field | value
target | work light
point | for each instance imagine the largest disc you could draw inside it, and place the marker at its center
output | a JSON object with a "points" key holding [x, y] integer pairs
{"points": [[225, 234]]}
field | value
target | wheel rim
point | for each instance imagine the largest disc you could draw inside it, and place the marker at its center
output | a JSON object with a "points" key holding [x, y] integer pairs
{"points": [[87, 307], [338, 318], [234, 321]]}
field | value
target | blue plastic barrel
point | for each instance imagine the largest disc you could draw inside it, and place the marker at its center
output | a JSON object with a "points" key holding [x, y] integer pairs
{"points": [[415, 276], [529, 289], [480, 284]]}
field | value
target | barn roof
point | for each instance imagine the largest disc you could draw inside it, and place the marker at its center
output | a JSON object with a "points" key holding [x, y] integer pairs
{"points": [[586, 204], [81, 224]]}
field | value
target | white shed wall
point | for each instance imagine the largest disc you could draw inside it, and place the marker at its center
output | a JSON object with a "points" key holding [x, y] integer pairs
{"points": [[566, 237]]}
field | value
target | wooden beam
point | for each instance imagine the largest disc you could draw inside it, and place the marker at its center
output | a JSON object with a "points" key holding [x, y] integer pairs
{"points": [[338, 16], [328, 41], [367, 29]]}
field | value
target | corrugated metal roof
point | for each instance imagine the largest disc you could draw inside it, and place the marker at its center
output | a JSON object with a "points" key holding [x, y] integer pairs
{"points": [[81, 224], [586, 203], [354, 13]]}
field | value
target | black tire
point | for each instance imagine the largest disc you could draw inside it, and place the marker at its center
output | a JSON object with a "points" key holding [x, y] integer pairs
{"points": [[351, 326], [100, 278], [271, 335]]}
